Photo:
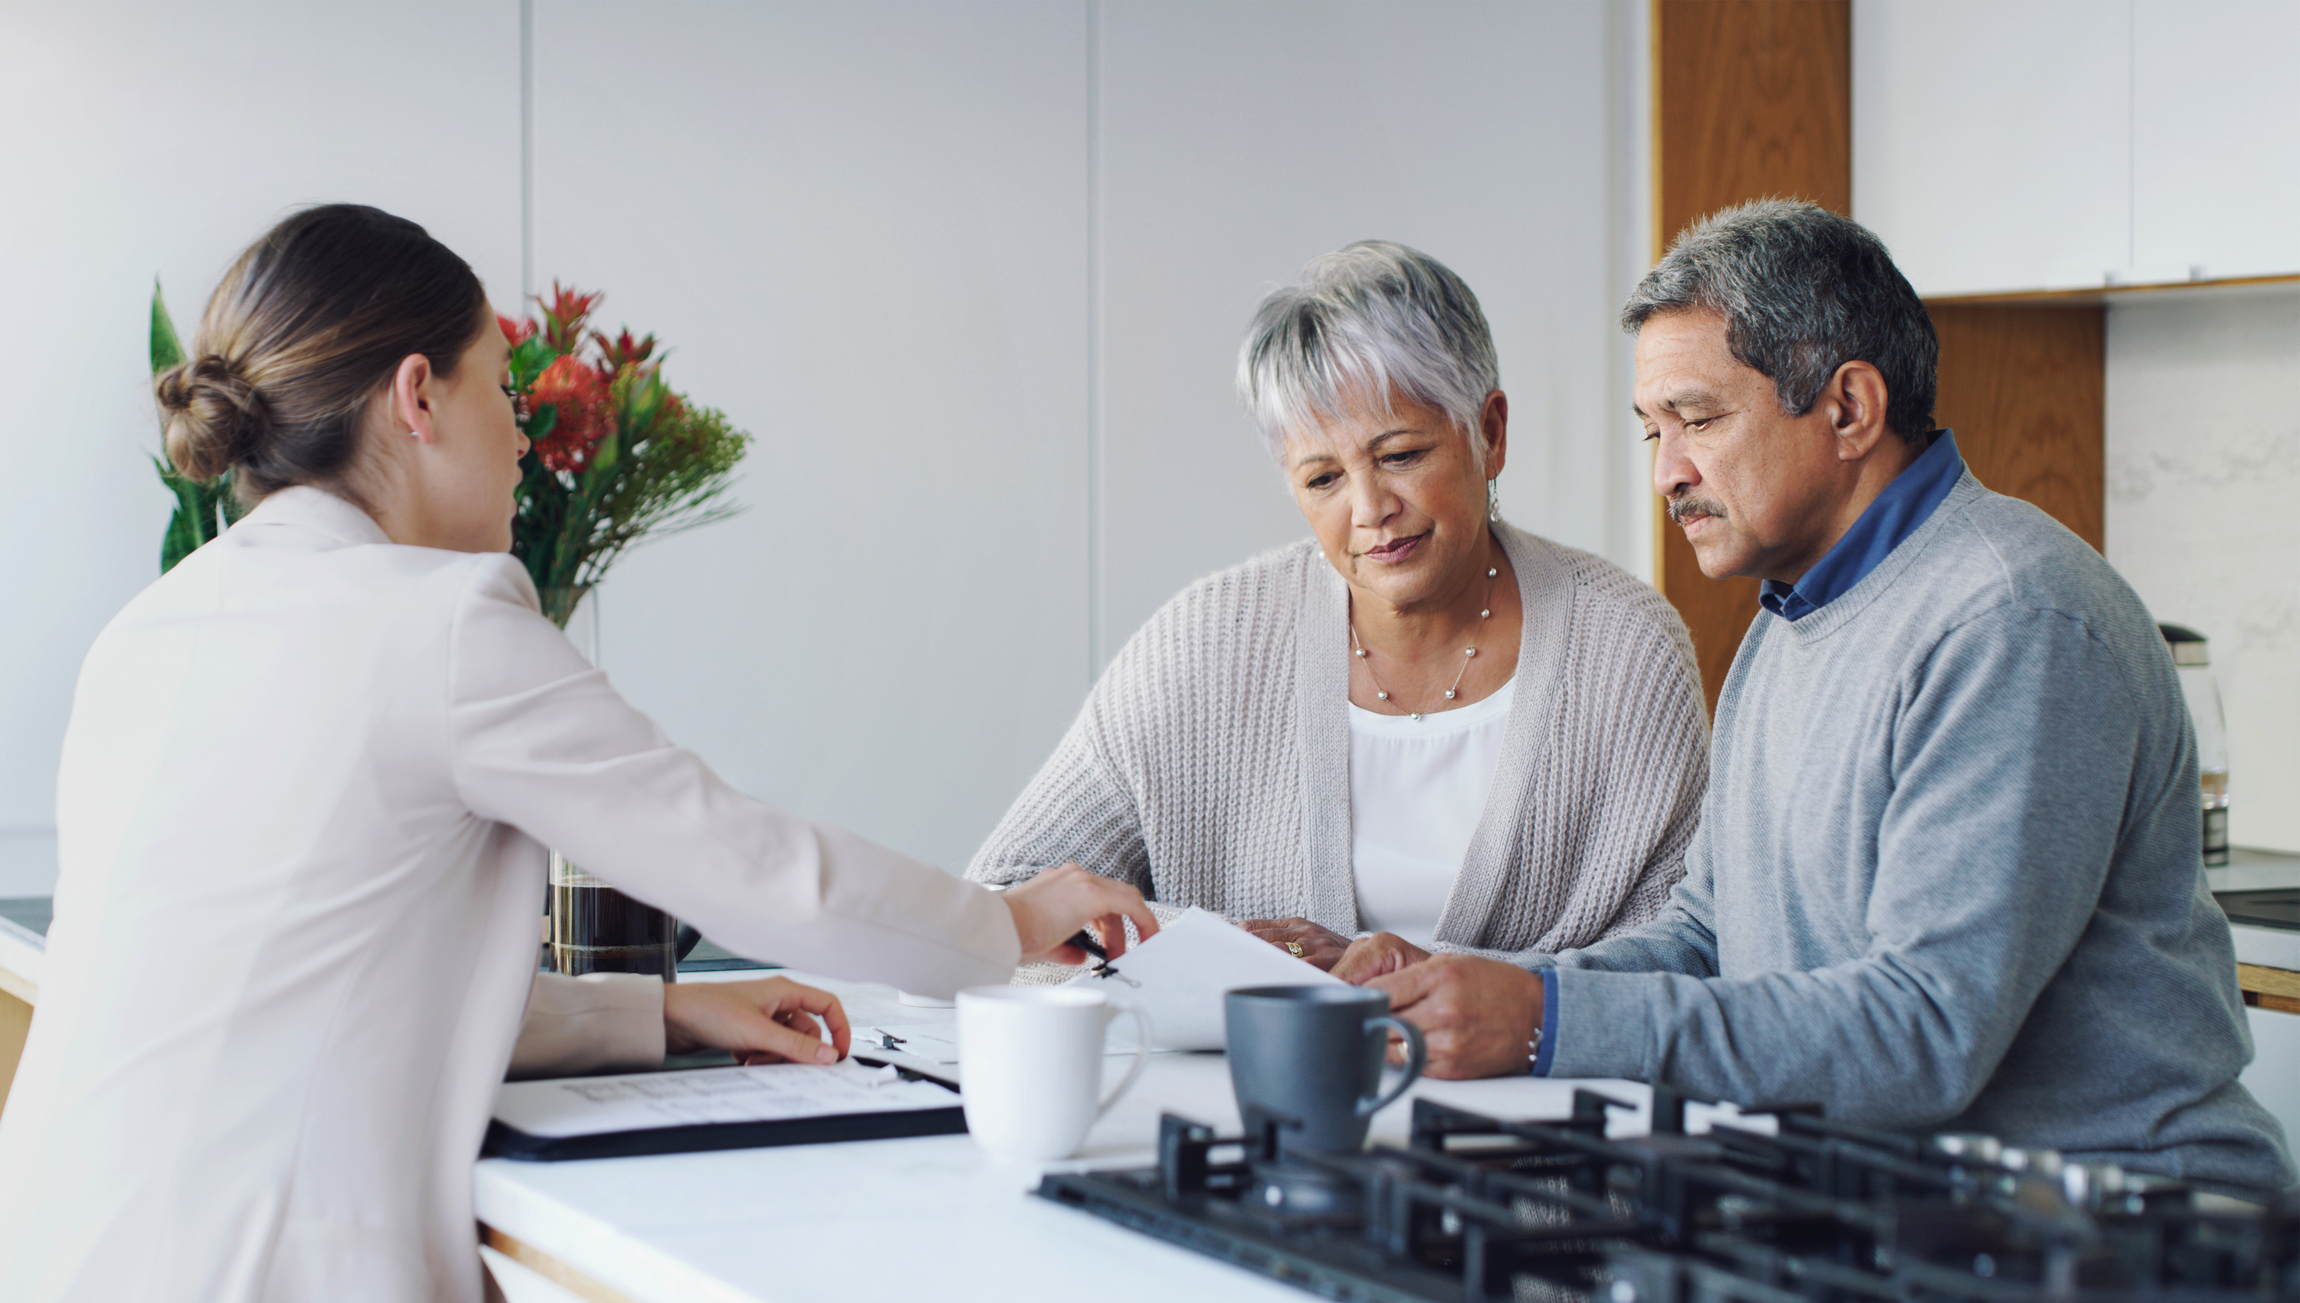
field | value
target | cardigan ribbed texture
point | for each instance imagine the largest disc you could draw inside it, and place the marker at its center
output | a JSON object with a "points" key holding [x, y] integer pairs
{"points": [[1210, 764]]}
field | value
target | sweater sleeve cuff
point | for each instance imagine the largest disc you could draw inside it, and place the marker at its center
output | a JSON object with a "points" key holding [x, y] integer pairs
{"points": [[1546, 1055], [1614, 1016]]}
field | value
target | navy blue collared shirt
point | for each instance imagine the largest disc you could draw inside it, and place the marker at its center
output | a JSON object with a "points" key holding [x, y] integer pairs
{"points": [[1904, 505]]}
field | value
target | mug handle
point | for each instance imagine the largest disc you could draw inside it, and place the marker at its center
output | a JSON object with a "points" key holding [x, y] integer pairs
{"points": [[1414, 1053], [1141, 1054]]}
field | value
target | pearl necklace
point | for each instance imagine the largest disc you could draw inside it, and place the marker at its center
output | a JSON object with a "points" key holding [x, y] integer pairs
{"points": [[1468, 653]]}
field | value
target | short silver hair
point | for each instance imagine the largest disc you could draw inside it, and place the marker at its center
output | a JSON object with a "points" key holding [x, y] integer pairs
{"points": [[1803, 291], [1370, 320]]}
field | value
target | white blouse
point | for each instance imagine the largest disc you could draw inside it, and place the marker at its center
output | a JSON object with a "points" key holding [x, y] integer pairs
{"points": [[1417, 792], [301, 814]]}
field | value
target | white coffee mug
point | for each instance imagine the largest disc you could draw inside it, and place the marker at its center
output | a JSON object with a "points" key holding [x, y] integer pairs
{"points": [[1030, 1066]]}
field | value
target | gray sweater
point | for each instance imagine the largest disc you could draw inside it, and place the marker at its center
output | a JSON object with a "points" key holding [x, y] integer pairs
{"points": [[1210, 766], [1948, 874]]}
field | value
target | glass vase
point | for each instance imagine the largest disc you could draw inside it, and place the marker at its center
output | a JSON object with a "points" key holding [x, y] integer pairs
{"points": [[593, 927]]}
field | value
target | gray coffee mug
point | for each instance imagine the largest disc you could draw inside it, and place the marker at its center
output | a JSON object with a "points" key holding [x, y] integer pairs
{"points": [[1312, 1057]]}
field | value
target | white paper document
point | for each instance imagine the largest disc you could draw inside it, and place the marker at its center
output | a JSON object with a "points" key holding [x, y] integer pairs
{"points": [[936, 1043], [1179, 976], [587, 1106]]}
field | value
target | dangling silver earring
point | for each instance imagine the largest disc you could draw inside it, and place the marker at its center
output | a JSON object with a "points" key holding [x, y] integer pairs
{"points": [[1493, 498]]}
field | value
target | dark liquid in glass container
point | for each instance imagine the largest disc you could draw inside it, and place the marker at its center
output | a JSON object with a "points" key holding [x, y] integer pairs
{"points": [[597, 929]]}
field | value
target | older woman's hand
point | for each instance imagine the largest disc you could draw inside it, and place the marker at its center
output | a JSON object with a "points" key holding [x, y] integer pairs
{"points": [[1300, 938], [1371, 957]]}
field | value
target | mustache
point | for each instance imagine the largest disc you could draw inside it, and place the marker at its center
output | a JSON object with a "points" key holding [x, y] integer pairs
{"points": [[1682, 507]]}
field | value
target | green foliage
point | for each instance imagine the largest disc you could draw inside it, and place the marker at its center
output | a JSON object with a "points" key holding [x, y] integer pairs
{"points": [[204, 508]]}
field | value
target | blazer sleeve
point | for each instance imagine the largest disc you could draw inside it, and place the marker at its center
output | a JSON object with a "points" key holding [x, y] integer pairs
{"points": [[540, 741], [599, 1022]]}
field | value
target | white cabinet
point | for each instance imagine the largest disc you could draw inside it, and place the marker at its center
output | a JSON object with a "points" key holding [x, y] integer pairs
{"points": [[2215, 139], [2008, 145], [1990, 140]]}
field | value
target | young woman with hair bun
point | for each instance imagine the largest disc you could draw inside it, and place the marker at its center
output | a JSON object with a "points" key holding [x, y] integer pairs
{"points": [[301, 814]]}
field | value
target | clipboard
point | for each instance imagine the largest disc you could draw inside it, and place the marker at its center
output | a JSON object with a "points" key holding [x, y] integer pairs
{"points": [[715, 1108]]}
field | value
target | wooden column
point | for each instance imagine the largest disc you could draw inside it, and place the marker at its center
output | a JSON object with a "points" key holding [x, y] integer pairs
{"points": [[15, 1025], [1753, 99]]}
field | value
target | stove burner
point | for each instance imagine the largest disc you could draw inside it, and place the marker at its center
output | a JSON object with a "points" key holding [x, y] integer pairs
{"points": [[1481, 1209]]}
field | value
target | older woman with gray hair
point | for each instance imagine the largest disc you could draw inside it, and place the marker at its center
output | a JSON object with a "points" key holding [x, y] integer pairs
{"points": [[1420, 722]]}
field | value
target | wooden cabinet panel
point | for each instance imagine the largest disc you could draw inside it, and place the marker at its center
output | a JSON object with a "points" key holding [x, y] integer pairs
{"points": [[1752, 98], [2024, 388]]}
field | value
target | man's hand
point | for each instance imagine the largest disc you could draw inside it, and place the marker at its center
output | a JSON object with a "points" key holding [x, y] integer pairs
{"points": [[1050, 908], [1478, 1015], [1370, 957], [771, 1020], [1317, 945]]}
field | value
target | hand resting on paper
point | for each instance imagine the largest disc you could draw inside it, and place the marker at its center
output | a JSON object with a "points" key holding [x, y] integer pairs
{"points": [[1370, 957], [1318, 946], [771, 1020], [1050, 908], [1477, 1015]]}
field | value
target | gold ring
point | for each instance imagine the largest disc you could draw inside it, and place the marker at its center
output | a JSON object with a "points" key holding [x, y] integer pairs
{"points": [[1294, 948]]}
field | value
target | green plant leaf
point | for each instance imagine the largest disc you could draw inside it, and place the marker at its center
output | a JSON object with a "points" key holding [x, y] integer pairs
{"points": [[167, 349]]}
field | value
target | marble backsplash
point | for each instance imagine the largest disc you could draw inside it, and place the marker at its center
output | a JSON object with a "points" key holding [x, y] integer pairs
{"points": [[2203, 481]]}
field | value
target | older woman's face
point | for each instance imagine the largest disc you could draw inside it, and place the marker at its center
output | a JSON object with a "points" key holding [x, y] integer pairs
{"points": [[1396, 500]]}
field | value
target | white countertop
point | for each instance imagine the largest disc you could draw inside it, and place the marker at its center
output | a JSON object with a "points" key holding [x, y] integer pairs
{"points": [[930, 1217]]}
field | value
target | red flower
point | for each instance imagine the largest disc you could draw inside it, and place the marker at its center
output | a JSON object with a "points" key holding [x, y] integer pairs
{"points": [[578, 392], [623, 351], [563, 316], [516, 332]]}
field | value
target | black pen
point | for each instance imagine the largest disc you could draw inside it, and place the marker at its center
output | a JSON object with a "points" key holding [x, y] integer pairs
{"points": [[1085, 941]]}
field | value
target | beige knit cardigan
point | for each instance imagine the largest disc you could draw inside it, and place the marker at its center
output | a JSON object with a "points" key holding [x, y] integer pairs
{"points": [[1210, 766]]}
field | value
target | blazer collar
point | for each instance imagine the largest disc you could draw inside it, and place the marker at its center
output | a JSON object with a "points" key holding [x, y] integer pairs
{"points": [[310, 511]]}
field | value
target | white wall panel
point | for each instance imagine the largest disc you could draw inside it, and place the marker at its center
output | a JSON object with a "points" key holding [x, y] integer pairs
{"points": [[1992, 140], [1241, 139], [2203, 469], [862, 228], [157, 138], [2216, 139]]}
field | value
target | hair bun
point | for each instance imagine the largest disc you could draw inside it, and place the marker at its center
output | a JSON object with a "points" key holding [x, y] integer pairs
{"points": [[212, 416]]}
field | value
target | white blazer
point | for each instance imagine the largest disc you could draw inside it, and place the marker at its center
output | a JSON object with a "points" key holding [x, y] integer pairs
{"points": [[301, 819]]}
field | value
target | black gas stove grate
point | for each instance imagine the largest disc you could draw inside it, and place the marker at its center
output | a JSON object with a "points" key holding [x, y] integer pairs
{"points": [[1477, 1209]]}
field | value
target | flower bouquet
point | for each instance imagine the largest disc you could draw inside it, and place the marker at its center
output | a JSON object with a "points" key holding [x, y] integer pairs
{"points": [[616, 457]]}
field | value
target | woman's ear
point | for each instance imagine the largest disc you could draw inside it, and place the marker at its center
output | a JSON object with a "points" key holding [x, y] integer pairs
{"points": [[1493, 425], [411, 399]]}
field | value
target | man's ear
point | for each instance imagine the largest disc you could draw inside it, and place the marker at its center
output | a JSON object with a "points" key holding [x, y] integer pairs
{"points": [[1855, 400], [410, 409]]}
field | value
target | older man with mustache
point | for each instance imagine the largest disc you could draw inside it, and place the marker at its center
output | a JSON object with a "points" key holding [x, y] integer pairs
{"points": [[1948, 873]]}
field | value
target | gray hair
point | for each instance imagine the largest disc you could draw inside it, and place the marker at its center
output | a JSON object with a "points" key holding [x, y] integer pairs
{"points": [[1803, 291], [1368, 321]]}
